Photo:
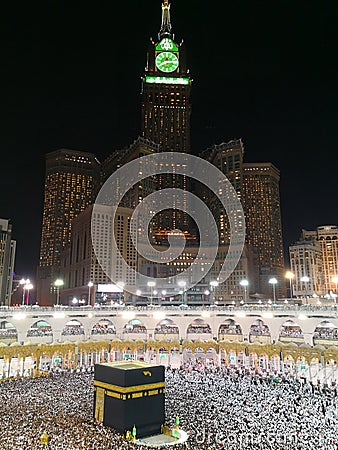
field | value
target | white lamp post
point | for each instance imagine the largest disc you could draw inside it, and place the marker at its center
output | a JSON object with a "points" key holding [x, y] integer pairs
{"points": [[290, 276], [121, 285], [27, 287], [23, 282], [244, 284], [90, 285], [273, 281], [305, 280], [335, 280], [182, 284], [58, 283], [206, 293], [213, 284], [163, 293], [151, 284]]}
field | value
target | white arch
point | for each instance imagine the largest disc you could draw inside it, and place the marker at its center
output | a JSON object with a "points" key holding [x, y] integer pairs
{"points": [[232, 325], [103, 327], [198, 329], [73, 328], [295, 334], [6, 331], [135, 327]]}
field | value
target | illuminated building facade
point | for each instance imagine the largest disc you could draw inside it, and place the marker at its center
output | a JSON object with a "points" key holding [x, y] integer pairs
{"points": [[81, 265], [307, 266], [326, 237], [71, 184], [140, 147], [257, 186], [7, 258], [261, 204], [228, 158]]}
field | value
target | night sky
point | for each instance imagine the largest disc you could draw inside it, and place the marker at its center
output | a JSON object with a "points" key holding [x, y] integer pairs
{"points": [[263, 71]]}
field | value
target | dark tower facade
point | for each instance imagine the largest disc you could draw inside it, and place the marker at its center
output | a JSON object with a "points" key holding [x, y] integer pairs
{"points": [[166, 90], [166, 111]]}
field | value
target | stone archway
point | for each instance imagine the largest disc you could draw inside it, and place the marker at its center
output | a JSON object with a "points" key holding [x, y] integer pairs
{"points": [[199, 329], [134, 329], [326, 333], [259, 332], [8, 332], [40, 331], [230, 331], [103, 329], [166, 330], [73, 330], [290, 331]]}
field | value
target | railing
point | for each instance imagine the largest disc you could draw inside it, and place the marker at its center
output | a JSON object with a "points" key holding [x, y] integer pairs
{"points": [[244, 308]]}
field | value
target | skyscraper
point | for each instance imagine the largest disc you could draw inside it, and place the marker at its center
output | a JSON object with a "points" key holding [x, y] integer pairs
{"points": [[166, 88], [261, 204], [306, 264], [71, 184], [326, 237], [7, 258], [166, 111], [228, 158], [257, 186]]}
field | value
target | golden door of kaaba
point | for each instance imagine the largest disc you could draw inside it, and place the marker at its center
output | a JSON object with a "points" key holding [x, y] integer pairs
{"points": [[128, 394]]}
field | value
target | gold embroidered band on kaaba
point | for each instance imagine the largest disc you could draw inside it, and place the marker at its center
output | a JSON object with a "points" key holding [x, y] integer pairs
{"points": [[125, 393]]}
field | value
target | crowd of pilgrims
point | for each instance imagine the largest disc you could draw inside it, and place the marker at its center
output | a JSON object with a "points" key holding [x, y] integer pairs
{"points": [[219, 408], [72, 330], [291, 332], [326, 333], [134, 329], [103, 329], [8, 333], [260, 330], [166, 329], [40, 331], [195, 329], [236, 329]]}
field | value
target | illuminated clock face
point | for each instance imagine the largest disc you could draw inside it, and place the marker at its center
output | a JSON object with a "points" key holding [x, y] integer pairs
{"points": [[166, 62]]}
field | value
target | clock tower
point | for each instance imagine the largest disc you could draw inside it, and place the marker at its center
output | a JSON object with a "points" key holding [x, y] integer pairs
{"points": [[166, 88]]}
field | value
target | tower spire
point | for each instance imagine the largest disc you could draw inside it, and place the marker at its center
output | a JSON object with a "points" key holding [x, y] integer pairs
{"points": [[165, 30]]}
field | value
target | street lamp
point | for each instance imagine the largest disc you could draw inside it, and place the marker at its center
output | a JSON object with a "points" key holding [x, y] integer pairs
{"points": [[121, 285], [244, 284], [305, 280], [335, 280], [151, 284], [273, 281], [90, 285], [213, 284], [290, 276], [58, 283], [23, 283], [27, 287], [182, 284], [163, 294]]}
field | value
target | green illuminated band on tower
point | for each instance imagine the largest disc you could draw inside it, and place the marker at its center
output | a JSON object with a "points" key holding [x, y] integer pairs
{"points": [[167, 80]]}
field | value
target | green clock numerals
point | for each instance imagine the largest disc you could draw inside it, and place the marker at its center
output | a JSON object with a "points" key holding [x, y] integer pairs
{"points": [[166, 62]]}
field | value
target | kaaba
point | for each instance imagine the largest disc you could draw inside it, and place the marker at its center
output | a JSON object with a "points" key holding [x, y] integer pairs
{"points": [[128, 394]]}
